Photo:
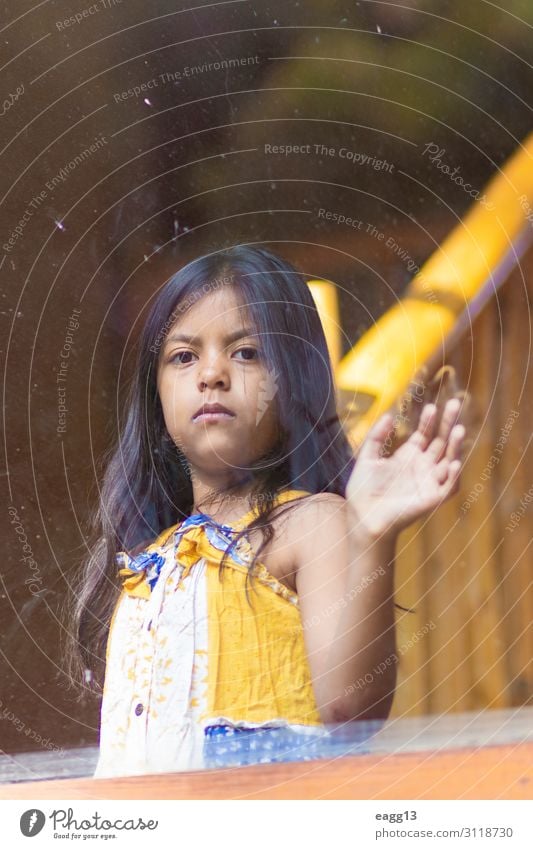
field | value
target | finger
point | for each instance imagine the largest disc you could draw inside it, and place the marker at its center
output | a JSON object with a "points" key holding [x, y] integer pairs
{"points": [[451, 485], [448, 420], [450, 414], [426, 427], [442, 471], [374, 444], [455, 443]]}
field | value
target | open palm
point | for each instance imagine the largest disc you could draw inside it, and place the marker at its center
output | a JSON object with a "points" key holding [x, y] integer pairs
{"points": [[387, 494]]}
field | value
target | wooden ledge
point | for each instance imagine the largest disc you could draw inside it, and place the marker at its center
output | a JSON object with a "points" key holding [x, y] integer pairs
{"points": [[488, 772]]}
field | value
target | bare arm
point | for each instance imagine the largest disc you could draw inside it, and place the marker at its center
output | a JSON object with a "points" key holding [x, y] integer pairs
{"points": [[345, 562], [345, 586]]}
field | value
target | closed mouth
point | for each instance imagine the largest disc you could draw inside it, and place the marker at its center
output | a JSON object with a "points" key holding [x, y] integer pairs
{"points": [[216, 415], [213, 412]]}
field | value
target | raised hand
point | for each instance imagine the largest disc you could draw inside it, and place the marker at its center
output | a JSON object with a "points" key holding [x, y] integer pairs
{"points": [[386, 494]]}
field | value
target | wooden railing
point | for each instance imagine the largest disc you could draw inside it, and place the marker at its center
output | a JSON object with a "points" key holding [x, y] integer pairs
{"points": [[442, 300]]}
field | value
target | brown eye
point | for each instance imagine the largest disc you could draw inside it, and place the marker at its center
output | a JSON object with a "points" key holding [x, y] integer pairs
{"points": [[248, 353], [179, 355]]}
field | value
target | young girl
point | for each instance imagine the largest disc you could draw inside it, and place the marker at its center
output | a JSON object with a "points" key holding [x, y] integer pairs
{"points": [[243, 579]]}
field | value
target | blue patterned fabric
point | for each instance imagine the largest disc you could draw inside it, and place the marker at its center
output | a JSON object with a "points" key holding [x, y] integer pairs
{"points": [[151, 562], [148, 561], [220, 537], [226, 745]]}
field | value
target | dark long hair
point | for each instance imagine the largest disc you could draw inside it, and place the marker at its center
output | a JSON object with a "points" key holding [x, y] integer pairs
{"points": [[147, 487]]}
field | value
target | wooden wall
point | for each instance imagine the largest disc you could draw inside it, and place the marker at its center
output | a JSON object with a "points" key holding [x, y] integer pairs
{"points": [[467, 570]]}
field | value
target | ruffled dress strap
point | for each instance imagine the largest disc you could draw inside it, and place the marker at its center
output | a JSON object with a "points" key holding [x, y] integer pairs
{"points": [[196, 537], [202, 537], [141, 572]]}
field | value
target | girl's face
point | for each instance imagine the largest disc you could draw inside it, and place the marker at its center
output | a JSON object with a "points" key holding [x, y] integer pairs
{"points": [[212, 355]]}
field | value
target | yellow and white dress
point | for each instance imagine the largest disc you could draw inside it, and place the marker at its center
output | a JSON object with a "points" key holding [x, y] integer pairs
{"points": [[188, 656]]}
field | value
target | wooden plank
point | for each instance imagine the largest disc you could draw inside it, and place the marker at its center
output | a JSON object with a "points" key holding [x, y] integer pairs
{"points": [[482, 601], [447, 542], [515, 474]]}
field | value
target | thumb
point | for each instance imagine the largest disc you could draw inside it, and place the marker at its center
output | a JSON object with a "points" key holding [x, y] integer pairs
{"points": [[372, 447]]}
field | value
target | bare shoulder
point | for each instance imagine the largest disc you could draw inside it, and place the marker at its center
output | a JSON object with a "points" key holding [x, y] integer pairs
{"points": [[305, 515], [321, 503], [297, 525], [317, 518]]}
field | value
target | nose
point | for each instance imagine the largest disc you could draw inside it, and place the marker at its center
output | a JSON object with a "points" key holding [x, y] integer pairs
{"points": [[213, 374]]}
